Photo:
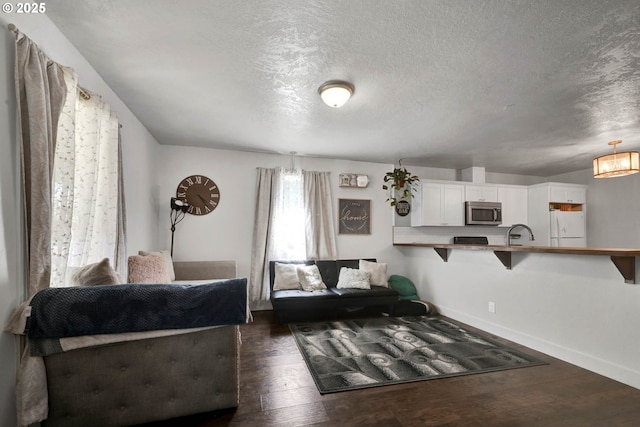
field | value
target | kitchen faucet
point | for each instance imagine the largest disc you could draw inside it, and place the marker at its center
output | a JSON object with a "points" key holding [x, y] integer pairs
{"points": [[516, 226]]}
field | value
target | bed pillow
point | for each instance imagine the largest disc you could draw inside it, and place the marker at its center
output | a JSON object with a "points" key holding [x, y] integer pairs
{"points": [[98, 273], [286, 277], [404, 286], [310, 278], [353, 278], [168, 262], [148, 269], [377, 272]]}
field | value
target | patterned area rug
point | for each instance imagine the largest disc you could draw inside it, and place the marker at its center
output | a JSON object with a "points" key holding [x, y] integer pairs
{"points": [[359, 353]]}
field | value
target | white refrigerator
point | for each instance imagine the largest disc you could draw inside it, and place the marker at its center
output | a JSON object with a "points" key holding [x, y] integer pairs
{"points": [[568, 229]]}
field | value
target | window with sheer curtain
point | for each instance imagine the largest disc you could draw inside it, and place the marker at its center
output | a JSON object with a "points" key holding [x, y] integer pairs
{"points": [[84, 221], [72, 171], [294, 221]]}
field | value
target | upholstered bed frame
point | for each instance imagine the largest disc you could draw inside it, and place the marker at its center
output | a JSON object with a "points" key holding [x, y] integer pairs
{"points": [[149, 379]]}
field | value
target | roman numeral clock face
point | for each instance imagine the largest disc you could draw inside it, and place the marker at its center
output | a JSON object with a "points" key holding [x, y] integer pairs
{"points": [[202, 194]]}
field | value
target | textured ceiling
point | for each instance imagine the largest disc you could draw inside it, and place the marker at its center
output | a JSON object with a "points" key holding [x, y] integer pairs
{"points": [[524, 87]]}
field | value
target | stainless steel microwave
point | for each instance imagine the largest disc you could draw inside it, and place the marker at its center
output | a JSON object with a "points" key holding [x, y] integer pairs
{"points": [[483, 213]]}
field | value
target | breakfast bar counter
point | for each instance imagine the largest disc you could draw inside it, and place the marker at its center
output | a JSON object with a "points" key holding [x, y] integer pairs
{"points": [[623, 259]]}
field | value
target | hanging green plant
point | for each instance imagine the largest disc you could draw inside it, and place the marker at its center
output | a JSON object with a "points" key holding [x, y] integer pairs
{"points": [[400, 180]]}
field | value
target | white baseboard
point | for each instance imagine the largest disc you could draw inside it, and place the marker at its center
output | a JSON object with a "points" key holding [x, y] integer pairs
{"points": [[583, 360]]}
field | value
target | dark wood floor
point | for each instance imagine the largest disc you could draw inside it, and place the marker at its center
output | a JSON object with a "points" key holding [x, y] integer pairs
{"points": [[277, 390]]}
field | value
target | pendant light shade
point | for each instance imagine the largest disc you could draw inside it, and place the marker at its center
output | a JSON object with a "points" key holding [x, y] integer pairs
{"points": [[616, 164], [335, 93]]}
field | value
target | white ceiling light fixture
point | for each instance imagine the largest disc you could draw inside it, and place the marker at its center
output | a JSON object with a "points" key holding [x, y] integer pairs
{"points": [[616, 164], [336, 93]]}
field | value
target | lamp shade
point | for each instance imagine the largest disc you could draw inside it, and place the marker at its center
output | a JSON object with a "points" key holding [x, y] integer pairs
{"points": [[616, 164], [335, 93]]}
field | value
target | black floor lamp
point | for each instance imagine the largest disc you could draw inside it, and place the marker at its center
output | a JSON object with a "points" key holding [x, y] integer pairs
{"points": [[178, 211]]}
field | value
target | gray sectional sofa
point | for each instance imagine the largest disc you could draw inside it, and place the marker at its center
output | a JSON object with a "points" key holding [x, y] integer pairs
{"points": [[148, 379]]}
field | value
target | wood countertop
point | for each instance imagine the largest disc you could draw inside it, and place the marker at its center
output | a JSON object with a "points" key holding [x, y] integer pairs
{"points": [[623, 259], [545, 249]]}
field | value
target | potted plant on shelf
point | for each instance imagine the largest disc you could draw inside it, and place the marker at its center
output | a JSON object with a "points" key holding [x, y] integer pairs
{"points": [[401, 181]]}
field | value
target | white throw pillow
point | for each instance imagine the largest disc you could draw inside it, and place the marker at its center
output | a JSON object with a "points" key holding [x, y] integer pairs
{"points": [[286, 277], [377, 272], [310, 278], [353, 278], [168, 262]]}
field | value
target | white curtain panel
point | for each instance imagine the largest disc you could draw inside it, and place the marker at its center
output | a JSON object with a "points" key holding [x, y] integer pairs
{"points": [[85, 197]]}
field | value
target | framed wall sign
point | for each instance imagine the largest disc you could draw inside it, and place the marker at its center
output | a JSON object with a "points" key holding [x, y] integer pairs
{"points": [[354, 216]]}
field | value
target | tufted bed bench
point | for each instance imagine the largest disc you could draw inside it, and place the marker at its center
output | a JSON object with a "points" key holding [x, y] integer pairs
{"points": [[143, 380]]}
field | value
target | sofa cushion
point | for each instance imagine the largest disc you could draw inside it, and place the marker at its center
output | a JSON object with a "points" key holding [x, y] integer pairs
{"points": [[353, 278], [286, 277], [377, 272], [309, 278], [299, 295], [374, 291], [329, 272]]}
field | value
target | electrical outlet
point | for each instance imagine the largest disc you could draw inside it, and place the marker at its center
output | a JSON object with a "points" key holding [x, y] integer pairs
{"points": [[492, 307]]}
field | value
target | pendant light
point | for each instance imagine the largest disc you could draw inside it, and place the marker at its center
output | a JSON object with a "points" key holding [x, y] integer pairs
{"points": [[616, 164], [336, 93]]}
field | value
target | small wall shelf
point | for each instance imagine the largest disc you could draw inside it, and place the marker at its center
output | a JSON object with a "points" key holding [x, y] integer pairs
{"points": [[623, 259]]}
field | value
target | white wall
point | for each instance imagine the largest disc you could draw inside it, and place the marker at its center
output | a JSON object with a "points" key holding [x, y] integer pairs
{"points": [[10, 226], [227, 232], [573, 307], [139, 157]]}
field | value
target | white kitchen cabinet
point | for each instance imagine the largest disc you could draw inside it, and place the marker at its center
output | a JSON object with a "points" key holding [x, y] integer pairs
{"points": [[480, 193], [438, 204], [514, 201], [565, 193]]}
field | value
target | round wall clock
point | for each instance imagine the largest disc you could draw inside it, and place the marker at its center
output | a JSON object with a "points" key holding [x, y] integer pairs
{"points": [[202, 194]]}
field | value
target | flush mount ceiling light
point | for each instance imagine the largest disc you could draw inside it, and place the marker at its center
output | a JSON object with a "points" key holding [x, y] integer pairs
{"points": [[616, 164], [336, 93]]}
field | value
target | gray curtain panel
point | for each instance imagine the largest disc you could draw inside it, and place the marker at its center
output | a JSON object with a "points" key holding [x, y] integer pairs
{"points": [[258, 287], [121, 245], [40, 92], [320, 229]]}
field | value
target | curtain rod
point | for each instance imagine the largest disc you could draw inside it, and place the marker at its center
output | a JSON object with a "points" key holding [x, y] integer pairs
{"points": [[84, 93]]}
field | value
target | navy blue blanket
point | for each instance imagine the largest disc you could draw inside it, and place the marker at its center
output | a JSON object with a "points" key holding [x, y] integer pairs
{"points": [[112, 309]]}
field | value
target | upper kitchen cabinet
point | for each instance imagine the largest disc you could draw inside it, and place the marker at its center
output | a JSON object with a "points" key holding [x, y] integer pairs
{"points": [[438, 204], [567, 193], [480, 193], [514, 199]]}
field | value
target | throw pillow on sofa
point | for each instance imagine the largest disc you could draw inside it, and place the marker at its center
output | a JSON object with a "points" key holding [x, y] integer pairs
{"points": [[148, 269], [168, 261], [310, 278], [286, 277], [377, 272], [98, 273], [404, 287], [353, 278]]}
